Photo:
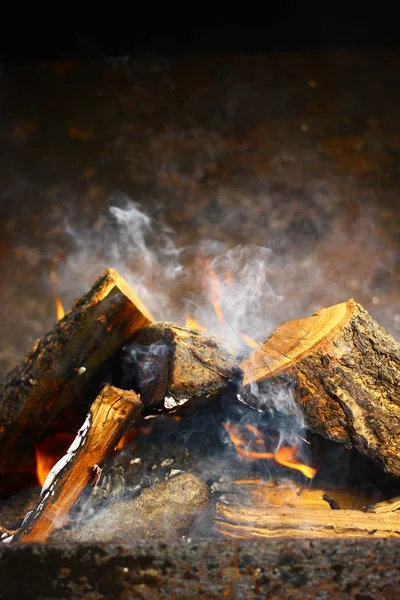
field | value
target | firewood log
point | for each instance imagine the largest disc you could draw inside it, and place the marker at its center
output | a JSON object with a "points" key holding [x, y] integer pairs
{"points": [[344, 372], [251, 522], [62, 362], [110, 415], [172, 366]]}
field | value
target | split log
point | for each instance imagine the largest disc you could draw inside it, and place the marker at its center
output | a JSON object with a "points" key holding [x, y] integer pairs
{"points": [[258, 522], [385, 506], [167, 509], [110, 415], [171, 366], [344, 371], [64, 361]]}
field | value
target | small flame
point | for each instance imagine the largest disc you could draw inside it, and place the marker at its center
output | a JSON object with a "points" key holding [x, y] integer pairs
{"points": [[193, 324], [249, 341], [122, 443], [215, 293], [49, 451], [284, 455], [59, 307]]}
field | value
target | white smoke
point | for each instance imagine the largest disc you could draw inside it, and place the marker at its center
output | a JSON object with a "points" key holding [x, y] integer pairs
{"points": [[127, 239]]}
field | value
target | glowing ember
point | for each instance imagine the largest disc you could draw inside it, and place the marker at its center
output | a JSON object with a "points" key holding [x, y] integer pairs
{"points": [[59, 307], [248, 452]]}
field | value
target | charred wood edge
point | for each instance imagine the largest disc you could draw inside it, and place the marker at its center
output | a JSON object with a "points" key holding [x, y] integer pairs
{"points": [[258, 522], [188, 367], [63, 362], [343, 369], [331, 501], [110, 415]]}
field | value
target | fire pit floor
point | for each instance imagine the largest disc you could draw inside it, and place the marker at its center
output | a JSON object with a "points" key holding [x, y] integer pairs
{"points": [[204, 569]]}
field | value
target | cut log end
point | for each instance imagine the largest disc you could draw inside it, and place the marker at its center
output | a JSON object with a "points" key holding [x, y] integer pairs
{"points": [[114, 278], [64, 361], [344, 372], [292, 340]]}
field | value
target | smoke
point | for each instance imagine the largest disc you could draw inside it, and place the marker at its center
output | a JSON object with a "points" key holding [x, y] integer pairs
{"points": [[229, 291], [139, 247]]}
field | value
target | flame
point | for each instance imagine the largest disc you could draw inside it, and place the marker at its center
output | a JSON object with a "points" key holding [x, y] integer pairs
{"points": [[59, 307], [193, 324], [49, 451], [122, 443], [215, 292], [127, 439], [249, 341], [246, 449], [286, 456]]}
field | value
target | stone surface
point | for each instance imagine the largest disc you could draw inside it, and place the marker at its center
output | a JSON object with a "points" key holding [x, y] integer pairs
{"points": [[365, 569]]}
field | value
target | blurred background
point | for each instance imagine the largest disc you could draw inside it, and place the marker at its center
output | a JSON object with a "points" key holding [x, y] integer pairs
{"points": [[255, 166]]}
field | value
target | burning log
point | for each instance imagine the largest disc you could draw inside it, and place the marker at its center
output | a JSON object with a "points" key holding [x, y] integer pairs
{"points": [[167, 509], [64, 361], [171, 366], [344, 371], [251, 522], [110, 415]]}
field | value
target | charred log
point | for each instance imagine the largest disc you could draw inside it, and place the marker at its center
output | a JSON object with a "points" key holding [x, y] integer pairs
{"points": [[344, 372], [110, 415], [171, 366], [62, 363]]}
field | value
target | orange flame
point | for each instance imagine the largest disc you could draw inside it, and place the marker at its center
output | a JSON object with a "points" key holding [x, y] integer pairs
{"points": [[193, 324], [249, 341], [215, 292], [59, 307], [284, 455], [122, 443], [49, 451]]}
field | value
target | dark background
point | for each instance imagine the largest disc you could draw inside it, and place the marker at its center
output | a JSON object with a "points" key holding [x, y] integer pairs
{"points": [[270, 28]]}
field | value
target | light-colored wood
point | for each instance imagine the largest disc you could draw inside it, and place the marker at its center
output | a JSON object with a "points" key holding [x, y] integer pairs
{"points": [[292, 495], [62, 363], [111, 414], [386, 506], [248, 522], [290, 341], [343, 370]]}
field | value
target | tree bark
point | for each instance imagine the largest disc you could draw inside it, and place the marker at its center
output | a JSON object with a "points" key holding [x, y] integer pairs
{"points": [[62, 362], [110, 415], [171, 366], [344, 372]]}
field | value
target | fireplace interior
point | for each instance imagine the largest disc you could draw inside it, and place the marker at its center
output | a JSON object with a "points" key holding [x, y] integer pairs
{"points": [[166, 225]]}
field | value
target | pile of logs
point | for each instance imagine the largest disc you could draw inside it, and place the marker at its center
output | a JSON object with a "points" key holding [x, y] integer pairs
{"points": [[342, 368]]}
